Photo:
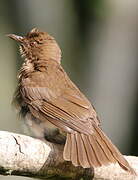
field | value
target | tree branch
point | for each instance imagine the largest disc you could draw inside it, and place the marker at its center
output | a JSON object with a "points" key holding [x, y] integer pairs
{"points": [[25, 156]]}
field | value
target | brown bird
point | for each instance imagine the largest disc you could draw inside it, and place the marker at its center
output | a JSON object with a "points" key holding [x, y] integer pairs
{"points": [[55, 109]]}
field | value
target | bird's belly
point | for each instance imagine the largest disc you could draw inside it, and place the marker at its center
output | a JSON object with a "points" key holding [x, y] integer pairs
{"points": [[43, 130]]}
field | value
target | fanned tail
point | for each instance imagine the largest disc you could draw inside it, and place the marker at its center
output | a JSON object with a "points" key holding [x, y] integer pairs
{"points": [[93, 150]]}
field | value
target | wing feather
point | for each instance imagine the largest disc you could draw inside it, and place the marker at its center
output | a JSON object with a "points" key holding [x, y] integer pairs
{"points": [[64, 105]]}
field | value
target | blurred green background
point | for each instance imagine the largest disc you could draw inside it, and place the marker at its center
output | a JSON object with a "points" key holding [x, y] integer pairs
{"points": [[98, 42]]}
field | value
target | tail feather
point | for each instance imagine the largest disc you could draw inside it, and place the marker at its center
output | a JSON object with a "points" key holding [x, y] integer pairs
{"points": [[67, 148], [74, 151], [99, 153], [93, 150], [82, 152], [105, 150], [90, 152], [115, 152]]}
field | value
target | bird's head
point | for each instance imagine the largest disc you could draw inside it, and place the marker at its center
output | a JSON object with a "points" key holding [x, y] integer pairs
{"points": [[38, 45]]}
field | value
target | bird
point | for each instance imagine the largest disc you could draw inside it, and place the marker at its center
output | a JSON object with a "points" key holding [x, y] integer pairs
{"points": [[54, 109]]}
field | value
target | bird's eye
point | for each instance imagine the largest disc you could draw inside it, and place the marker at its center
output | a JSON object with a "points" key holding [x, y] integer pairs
{"points": [[33, 43]]}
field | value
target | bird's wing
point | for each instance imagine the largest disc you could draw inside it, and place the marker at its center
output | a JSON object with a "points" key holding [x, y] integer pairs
{"points": [[70, 110]]}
